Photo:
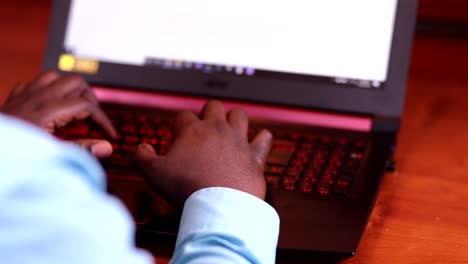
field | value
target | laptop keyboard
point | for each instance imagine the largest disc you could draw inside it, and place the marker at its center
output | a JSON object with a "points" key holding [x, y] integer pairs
{"points": [[297, 162]]}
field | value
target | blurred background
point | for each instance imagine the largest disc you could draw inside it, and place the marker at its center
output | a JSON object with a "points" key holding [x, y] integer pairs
{"points": [[24, 23]]}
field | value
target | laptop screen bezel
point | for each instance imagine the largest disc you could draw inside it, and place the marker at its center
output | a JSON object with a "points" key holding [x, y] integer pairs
{"points": [[385, 102]]}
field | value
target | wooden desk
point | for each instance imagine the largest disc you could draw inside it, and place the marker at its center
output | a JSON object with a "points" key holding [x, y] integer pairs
{"points": [[422, 210]]}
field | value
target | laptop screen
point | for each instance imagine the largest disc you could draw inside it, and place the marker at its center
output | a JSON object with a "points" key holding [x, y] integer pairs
{"points": [[344, 42]]}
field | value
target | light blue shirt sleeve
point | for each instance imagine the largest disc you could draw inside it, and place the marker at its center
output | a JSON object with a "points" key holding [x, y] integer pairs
{"points": [[53, 209], [221, 225]]}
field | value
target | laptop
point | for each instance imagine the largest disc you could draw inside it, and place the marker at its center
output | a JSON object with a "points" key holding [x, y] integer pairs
{"points": [[326, 77]]}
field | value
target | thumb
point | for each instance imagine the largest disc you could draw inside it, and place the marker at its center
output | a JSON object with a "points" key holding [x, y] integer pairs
{"points": [[261, 145], [153, 169], [145, 156], [150, 163], [98, 147]]}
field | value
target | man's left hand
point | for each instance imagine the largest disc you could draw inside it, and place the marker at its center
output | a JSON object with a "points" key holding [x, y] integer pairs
{"points": [[51, 102]]}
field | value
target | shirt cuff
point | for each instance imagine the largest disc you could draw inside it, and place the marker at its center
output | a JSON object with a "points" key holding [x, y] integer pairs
{"points": [[226, 211]]}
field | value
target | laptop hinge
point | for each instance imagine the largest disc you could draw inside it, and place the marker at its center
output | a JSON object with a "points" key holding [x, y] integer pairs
{"points": [[386, 124]]}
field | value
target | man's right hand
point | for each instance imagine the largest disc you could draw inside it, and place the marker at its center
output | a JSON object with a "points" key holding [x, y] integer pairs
{"points": [[212, 151]]}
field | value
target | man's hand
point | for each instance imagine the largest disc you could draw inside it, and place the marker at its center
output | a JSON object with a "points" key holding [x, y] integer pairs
{"points": [[51, 102], [209, 152]]}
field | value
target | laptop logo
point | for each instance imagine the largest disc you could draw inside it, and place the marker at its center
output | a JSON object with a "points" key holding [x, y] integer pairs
{"points": [[216, 84]]}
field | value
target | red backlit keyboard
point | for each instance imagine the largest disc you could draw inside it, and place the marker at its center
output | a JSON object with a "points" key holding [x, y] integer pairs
{"points": [[300, 162]]}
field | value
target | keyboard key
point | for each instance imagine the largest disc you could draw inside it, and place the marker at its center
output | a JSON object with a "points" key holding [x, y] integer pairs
{"points": [[142, 119], [78, 130], [289, 183], [281, 152], [359, 143], [328, 178], [343, 184], [128, 129], [96, 135], [152, 141], [302, 154], [356, 155], [293, 171], [115, 147], [163, 151], [168, 135], [323, 188], [351, 166], [146, 131], [326, 140], [342, 187], [127, 117], [300, 163], [297, 162], [315, 166], [311, 172], [129, 148], [310, 177], [119, 160], [305, 186], [272, 180], [131, 139], [271, 169], [164, 146], [279, 134], [343, 142], [164, 130], [295, 136], [306, 147]]}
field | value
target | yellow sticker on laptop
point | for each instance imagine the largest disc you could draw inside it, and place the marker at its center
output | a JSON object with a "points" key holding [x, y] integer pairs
{"points": [[70, 63]]}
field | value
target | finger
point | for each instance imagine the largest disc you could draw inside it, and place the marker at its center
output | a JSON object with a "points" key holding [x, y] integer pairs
{"points": [[18, 89], [145, 156], [239, 120], [261, 145], [106, 124], [98, 147], [214, 110], [65, 87], [72, 85], [43, 81], [155, 172], [88, 94], [148, 162], [65, 110], [103, 120], [185, 118]]}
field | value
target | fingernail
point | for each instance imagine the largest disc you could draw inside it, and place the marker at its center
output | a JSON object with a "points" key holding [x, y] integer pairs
{"points": [[101, 149], [146, 147]]}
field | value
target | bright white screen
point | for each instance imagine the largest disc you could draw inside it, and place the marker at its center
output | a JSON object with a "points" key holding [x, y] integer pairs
{"points": [[336, 38]]}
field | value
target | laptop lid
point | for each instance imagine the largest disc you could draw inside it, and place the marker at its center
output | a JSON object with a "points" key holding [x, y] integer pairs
{"points": [[342, 56]]}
